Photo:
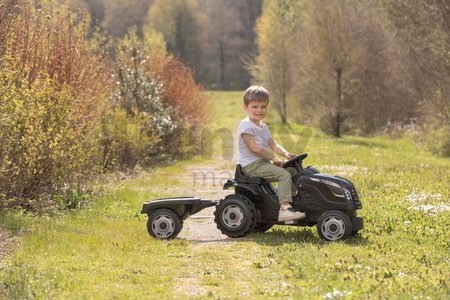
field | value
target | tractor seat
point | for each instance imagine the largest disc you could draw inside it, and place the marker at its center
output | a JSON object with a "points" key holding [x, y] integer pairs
{"points": [[240, 177]]}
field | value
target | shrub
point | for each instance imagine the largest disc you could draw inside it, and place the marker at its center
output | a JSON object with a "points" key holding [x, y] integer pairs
{"points": [[40, 139], [51, 83], [188, 101], [156, 85], [438, 138], [58, 124], [122, 141], [138, 120]]}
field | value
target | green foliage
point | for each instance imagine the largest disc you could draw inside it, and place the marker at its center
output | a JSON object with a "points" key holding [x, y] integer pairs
{"points": [[355, 67], [63, 121], [148, 121], [49, 99], [72, 199], [41, 137], [151, 43], [125, 141], [438, 138], [139, 92]]}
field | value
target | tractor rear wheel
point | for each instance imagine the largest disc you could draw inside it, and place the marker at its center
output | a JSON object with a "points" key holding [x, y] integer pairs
{"points": [[235, 216]]}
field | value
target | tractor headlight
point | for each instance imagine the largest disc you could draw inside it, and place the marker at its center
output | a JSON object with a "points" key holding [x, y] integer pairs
{"points": [[335, 188], [348, 196]]}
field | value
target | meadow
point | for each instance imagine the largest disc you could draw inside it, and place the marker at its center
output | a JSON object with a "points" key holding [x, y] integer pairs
{"points": [[103, 251]]}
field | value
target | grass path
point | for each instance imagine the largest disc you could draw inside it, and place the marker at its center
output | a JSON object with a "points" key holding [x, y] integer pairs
{"points": [[104, 251]]}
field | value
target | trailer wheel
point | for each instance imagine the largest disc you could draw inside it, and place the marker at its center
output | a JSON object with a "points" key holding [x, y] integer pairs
{"points": [[334, 225], [235, 216], [164, 224]]}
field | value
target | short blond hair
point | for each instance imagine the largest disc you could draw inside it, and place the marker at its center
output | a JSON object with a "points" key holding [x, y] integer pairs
{"points": [[256, 93]]}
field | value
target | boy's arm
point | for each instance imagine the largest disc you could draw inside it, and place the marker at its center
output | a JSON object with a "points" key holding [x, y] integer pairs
{"points": [[250, 142], [278, 149]]}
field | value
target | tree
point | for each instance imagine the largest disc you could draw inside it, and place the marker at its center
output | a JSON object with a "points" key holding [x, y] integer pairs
{"points": [[384, 91], [333, 55], [424, 27], [119, 15], [228, 40], [178, 21], [279, 23], [350, 74], [135, 137], [221, 43]]}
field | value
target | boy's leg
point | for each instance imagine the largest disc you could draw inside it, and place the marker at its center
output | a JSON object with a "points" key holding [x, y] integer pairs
{"points": [[265, 169], [270, 172], [293, 172]]}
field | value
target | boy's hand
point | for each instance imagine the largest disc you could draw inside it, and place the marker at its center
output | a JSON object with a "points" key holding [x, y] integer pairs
{"points": [[290, 155], [278, 162]]}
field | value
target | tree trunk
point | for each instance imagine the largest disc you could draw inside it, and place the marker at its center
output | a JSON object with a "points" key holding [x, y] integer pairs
{"points": [[221, 66], [339, 96], [283, 108]]}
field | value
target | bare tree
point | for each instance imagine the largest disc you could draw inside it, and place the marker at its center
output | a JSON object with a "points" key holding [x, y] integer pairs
{"points": [[276, 28], [119, 15], [178, 21], [331, 55], [221, 43], [424, 27]]}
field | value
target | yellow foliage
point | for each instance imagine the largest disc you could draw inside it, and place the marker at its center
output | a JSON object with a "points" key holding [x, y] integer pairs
{"points": [[40, 138]]}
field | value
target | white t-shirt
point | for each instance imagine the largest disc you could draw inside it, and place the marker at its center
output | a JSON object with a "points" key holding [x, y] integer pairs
{"points": [[261, 135]]}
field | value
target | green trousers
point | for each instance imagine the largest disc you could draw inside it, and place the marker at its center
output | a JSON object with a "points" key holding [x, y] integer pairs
{"points": [[266, 169]]}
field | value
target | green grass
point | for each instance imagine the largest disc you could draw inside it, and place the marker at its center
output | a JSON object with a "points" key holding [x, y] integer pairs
{"points": [[104, 251]]}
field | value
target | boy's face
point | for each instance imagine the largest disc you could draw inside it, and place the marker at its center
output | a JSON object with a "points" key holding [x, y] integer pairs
{"points": [[256, 110]]}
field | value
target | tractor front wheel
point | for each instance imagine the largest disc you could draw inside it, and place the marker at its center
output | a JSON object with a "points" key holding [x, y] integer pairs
{"points": [[334, 225]]}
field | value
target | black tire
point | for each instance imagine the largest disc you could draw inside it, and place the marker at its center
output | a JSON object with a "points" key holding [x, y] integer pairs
{"points": [[235, 216], [334, 225], [164, 224], [262, 227]]}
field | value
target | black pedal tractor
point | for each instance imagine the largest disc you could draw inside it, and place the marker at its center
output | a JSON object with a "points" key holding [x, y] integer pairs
{"points": [[329, 202]]}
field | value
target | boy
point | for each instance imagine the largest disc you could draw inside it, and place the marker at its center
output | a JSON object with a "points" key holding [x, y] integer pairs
{"points": [[254, 140]]}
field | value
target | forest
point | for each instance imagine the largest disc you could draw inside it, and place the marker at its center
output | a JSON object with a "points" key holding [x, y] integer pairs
{"points": [[89, 87]]}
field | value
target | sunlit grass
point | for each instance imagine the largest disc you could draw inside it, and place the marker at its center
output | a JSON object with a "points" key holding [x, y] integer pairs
{"points": [[104, 251]]}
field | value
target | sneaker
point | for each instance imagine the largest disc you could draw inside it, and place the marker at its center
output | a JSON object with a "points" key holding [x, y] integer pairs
{"points": [[287, 213]]}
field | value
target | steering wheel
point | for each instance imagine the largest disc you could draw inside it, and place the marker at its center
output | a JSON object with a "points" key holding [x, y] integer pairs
{"points": [[296, 162]]}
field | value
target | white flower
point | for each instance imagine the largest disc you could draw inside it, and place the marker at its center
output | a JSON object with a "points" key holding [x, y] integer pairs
{"points": [[336, 294]]}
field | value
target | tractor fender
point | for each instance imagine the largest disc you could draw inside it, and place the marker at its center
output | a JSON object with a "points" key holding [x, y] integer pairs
{"points": [[231, 183]]}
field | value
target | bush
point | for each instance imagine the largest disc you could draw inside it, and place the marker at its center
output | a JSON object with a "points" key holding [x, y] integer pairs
{"points": [[49, 96], [122, 141], [61, 117], [40, 139], [133, 132], [157, 87], [188, 101], [438, 139]]}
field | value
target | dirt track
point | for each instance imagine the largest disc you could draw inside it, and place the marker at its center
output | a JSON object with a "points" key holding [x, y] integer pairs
{"points": [[201, 227]]}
